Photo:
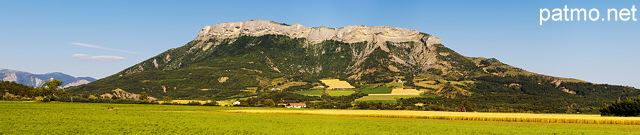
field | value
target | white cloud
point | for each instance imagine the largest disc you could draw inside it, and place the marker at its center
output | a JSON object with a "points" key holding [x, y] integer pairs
{"points": [[103, 48], [97, 58]]}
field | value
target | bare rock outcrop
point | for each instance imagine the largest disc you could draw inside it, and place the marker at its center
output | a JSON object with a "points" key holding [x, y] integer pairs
{"points": [[348, 34], [11, 77], [122, 94], [76, 83]]}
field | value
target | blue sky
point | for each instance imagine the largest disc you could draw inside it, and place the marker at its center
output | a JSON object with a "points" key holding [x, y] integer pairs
{"points": [[100, 38]]}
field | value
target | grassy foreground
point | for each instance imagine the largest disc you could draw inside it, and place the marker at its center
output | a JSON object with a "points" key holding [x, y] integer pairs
{"points": [[95, 118]]}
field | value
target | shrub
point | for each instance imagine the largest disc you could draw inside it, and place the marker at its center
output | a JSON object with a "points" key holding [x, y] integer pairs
{"points": [[193, 103], [212, 103]]}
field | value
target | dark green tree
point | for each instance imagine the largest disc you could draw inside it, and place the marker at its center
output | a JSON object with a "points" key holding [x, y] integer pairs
{"points": [[167, 99], [194, 103], [467, 105], [52, 84], [144, 96], [269, 103]]}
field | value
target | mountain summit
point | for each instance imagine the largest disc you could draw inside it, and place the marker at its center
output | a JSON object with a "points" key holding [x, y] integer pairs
{"points": [[252, 58], [348, 34]]}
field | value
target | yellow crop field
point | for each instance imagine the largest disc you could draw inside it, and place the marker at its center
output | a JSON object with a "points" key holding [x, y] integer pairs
{"points": [[337, 84], [428, 82], [185, 101], [224, 103], [401, 91], [512, 117]]}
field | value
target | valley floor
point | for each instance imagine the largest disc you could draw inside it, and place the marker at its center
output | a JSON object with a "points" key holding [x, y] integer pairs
{"points": [[102, 118]]}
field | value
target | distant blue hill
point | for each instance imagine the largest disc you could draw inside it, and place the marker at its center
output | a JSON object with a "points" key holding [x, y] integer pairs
{"points": [[36, 80]]}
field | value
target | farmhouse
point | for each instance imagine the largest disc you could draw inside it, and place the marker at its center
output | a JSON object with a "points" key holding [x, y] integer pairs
{"points": [[336, 84], [296, 105], [236, 103]]}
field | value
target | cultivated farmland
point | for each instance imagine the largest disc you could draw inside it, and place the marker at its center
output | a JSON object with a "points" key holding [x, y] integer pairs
{"points": [[401, 91], [373, 89], [188, 101], [310, 92], [385, 93], [340, 92], [513, 117], [337, 84]]}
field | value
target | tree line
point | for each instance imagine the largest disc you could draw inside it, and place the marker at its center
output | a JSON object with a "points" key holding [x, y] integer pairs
{"points": [[627, 107]]}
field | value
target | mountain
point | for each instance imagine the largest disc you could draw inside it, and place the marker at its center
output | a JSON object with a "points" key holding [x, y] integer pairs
{"points": [[249, 59], [36, 80]]}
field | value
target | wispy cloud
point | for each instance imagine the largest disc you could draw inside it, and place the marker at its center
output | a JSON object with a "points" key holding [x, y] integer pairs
{"points": [[103, 48], [97, 58]]}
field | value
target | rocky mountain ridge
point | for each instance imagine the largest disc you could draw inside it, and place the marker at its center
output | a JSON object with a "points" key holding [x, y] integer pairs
{"points": [[36, 80], [348, 34]]}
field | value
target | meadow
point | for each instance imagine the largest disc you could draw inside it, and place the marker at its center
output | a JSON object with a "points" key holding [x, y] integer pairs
{"points": [[96, 118], [310, 92], [372, 89], [340, 92]]}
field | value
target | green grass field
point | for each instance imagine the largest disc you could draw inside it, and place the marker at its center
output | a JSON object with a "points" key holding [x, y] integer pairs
{"points": [[310, 92], [340, 92], [95, 118], [378, 90], [395, 85]]}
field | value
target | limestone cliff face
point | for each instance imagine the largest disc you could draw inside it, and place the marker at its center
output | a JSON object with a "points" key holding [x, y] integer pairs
{"points": [[348, 34]]}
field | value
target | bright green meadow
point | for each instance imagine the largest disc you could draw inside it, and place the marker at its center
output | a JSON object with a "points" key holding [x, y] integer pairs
{"points": [[96, 118], [310, 92]]}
